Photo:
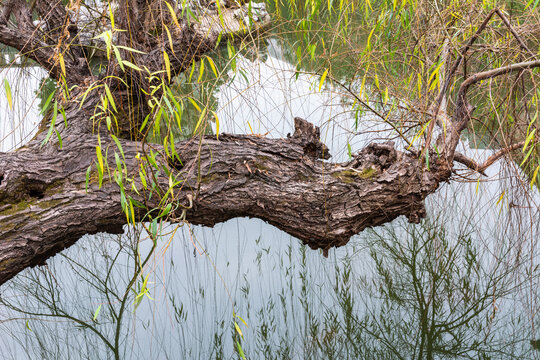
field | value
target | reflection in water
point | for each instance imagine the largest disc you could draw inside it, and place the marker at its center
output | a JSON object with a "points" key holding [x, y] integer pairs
{"points": [[19, 123], [461, 284]]}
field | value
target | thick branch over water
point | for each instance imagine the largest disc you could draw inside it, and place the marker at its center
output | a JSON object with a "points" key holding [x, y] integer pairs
{"points": [[45, 206]]}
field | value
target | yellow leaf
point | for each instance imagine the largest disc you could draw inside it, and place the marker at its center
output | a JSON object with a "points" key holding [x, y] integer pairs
{"points": [[111, 16], [323, 77], [194, 104], [201, 71], [170, 38], [238, 329], [99, 156], [62, 64], [242, 320], [131, 65], [534, 175], [201, 117], [132, 211], [419, 84], [500, 198], [173, 14], [167, 64], [362, 86], [368, 45], [419, 134], [212, 65], [435, 72], [192, 70]]}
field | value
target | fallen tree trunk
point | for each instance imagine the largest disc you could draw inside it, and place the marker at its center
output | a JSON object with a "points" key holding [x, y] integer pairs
{"points": [[52, 194], [46, 206]]}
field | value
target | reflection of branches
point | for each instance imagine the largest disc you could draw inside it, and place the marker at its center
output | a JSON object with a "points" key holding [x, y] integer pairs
{"points": [[43, 292], [441, 291]]}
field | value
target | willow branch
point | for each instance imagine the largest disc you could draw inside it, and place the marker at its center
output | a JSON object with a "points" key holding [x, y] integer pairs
{"points": [[481, 168], [453, 69]]}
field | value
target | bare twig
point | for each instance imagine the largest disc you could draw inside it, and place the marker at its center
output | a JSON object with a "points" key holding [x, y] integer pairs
{"points": [[468, 162], [499, 154], [481, 168], [516, 35]]}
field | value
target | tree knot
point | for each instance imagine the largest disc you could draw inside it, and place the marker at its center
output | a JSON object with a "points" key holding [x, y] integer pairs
{"points": [[308, 136], [378, 155]]}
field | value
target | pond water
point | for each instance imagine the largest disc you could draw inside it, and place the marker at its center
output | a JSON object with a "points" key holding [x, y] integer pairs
{"points": [[463, 283]]}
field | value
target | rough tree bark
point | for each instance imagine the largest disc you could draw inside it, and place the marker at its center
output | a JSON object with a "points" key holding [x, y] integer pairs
{"points": [[45, 206]]}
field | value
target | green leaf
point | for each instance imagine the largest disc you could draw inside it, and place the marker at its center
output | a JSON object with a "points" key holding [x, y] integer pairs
{"points": [[119, 146], [527, 156], [87, 178], [529, 138], [110, 97], [8, 94], [86, 94], [218, 5], [240, 351], [130, 49], [47, 103], [107, 38], [131, 65], [154, 229], [144, 122], [96, 313], [118, 57], [59, 138], [51, 127], [118, 163], [143, 180]]}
